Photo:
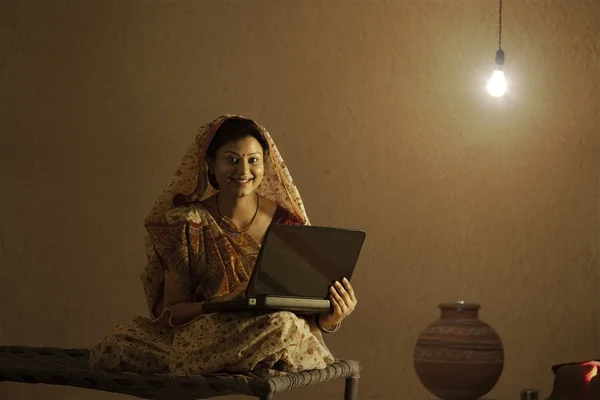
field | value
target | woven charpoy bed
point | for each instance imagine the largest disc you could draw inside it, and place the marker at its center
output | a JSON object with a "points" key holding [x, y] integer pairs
{"points": [[69, 367]]}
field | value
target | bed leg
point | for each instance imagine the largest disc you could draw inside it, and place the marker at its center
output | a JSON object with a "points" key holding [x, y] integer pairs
{"points": [[351, 390]]}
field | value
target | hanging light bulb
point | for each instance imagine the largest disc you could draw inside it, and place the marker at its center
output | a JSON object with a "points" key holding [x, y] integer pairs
{"points": [[497, 85]]}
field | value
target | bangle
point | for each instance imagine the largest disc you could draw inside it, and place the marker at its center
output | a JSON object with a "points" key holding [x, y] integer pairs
{"points": [[320, 327]]}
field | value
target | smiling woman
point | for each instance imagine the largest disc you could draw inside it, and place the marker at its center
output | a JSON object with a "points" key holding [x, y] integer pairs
{"points": [[204, 236]]}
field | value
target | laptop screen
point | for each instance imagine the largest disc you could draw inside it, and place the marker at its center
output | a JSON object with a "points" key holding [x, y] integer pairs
{"points": [[303, 261]]}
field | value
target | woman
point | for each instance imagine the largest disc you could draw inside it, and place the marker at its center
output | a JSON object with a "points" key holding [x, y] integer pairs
{"points": [[204, 235]]}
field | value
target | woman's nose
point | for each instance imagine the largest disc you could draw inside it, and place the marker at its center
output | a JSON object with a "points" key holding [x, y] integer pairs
{"points": [[243, 167]]}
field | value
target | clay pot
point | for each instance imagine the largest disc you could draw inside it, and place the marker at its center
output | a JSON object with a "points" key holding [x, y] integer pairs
{"points": [[459, 357]]}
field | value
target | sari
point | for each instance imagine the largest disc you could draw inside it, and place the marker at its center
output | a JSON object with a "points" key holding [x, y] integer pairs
{"points": [[198, 247]]}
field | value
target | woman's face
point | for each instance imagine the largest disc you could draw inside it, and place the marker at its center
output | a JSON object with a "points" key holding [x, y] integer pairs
{"points": [[239, 167]]}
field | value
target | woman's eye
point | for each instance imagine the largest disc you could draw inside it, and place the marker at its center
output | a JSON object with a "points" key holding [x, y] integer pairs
{"points": [[253, 160], [232, 160]]}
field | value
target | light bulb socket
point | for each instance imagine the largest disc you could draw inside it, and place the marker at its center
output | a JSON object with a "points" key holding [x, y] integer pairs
{"points": [[500, 59]]}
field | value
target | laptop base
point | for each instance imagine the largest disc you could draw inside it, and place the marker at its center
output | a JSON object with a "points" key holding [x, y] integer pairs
{"points": [[271, 303]]}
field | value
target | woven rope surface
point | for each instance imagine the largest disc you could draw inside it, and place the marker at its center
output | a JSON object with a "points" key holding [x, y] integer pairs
{"points": [[69, 367]]}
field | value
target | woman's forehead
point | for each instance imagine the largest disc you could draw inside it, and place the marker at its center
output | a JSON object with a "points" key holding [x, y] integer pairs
{"points": [[247, 145]]}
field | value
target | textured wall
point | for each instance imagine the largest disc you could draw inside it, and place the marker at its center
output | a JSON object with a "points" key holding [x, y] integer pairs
{"points": [[381, 113]]}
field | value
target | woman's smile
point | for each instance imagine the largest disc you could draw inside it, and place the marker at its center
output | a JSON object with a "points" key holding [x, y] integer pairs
{"points": [[241, 181]]}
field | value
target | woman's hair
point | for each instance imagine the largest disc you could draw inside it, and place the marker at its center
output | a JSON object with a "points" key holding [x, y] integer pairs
{"points": [[232, 129]]}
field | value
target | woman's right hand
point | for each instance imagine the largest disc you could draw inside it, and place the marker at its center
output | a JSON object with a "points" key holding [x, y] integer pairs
{"points": [[237, 293]]}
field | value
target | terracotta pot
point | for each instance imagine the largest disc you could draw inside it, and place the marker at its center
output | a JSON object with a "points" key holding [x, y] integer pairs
{"points": [[459, 357]]}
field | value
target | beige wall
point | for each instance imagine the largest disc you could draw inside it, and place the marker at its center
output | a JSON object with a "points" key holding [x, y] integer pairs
{"points": [[380, 111]]}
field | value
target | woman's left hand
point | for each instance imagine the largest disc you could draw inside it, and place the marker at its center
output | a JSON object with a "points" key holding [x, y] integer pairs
{"points": [[343, 300]]}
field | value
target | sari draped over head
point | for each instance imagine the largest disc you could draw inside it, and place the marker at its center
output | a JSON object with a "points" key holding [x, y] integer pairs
{"points": [[169, 242]]}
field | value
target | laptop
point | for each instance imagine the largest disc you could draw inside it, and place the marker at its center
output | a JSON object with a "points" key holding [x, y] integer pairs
{"points": [[295, 267]]}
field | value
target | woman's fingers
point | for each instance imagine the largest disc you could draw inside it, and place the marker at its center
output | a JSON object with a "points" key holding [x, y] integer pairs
{"points": [[350, 290], [339, 300], [344, 295], [337, 309], [343, 299]]}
